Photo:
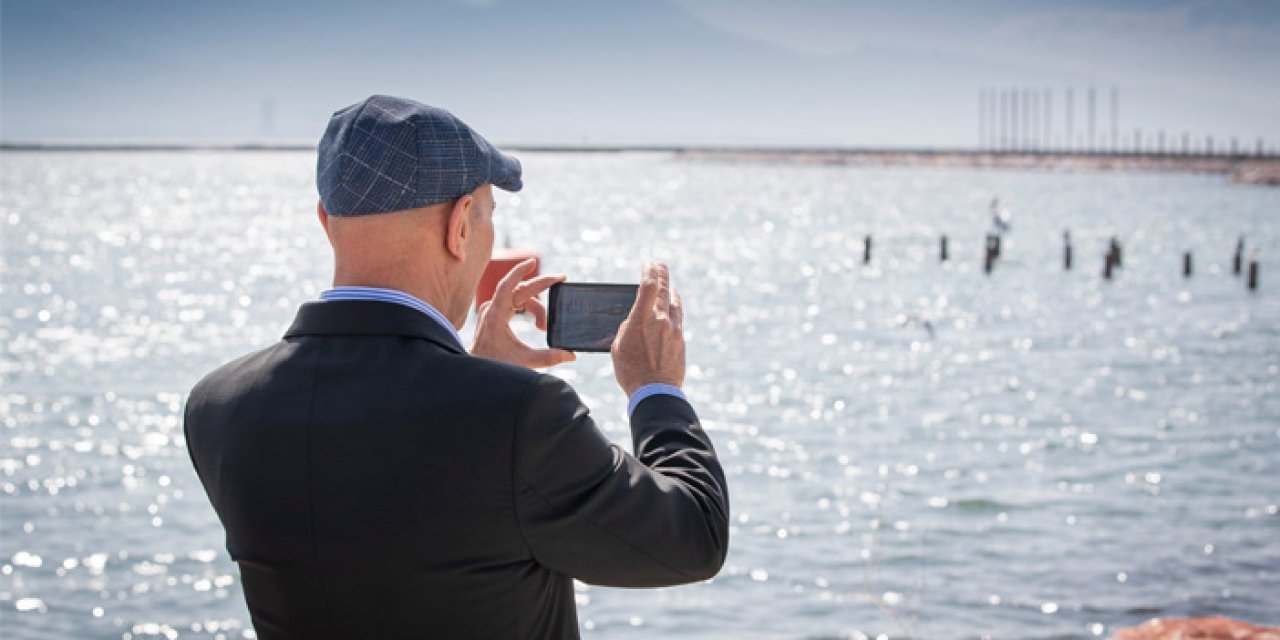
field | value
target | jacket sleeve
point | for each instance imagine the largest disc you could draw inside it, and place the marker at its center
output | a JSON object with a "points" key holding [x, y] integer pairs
{"points": [[592, 511]]}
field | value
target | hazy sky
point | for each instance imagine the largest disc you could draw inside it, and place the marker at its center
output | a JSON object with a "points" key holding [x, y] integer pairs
{"points": [[734, 72]]}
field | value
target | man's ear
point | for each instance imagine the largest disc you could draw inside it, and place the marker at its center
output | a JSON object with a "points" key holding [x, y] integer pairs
{"points": [[323, 215], [459, 227]]}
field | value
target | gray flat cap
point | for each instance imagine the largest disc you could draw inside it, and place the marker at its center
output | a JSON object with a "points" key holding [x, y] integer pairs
{"points": [[388, 154]]}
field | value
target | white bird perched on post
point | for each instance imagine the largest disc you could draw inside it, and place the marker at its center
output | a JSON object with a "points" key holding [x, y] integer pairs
{"points": [[1001, 219]]}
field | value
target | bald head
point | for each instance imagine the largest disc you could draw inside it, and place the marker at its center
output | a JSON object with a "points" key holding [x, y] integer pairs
{"points": [[436, 253]]}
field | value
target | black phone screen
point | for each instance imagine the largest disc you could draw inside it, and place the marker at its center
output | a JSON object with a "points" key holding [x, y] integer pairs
{"points": [[585, 317]]}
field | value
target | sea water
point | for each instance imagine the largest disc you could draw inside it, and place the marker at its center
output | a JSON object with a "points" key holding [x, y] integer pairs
{"points": [[914, 448]]}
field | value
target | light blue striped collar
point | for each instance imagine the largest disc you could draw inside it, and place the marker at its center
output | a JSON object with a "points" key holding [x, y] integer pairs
{"points": [[391, 295]]}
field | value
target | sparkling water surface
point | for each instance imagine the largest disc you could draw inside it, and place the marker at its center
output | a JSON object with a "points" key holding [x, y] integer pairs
{"points": [[914, 449]]}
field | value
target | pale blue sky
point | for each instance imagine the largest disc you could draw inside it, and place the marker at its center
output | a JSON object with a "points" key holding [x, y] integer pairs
{"points": [[726, 72]]}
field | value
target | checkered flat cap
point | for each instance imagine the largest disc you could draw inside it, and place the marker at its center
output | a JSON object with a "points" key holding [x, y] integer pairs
{"points": [[388, 154]]}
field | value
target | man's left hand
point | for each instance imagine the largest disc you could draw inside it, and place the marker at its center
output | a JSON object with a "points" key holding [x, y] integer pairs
{"points": [[495, 339]]}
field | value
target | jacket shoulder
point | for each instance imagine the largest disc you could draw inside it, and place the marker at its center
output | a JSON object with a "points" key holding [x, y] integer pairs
{"points": [[230, 377]]}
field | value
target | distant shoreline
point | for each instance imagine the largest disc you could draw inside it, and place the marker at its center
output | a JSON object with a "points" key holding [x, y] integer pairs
{"points": [[144, 148], [1240, 168]]}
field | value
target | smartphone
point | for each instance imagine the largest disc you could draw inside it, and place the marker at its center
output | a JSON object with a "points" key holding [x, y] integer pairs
{"points": [[585, 316]]}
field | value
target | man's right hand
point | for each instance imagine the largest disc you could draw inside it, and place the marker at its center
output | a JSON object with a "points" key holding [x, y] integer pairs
{"points": [[649, 346]]}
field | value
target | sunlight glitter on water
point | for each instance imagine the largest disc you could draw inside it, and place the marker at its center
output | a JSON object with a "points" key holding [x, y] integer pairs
{"points": [[1030, 453]]}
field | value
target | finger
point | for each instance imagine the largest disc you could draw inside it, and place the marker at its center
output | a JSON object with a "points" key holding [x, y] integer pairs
{"points": [[484, 309], [663, 303], [507, 285], [647, 294], [534, 286], [534, 307], [677, 309]]}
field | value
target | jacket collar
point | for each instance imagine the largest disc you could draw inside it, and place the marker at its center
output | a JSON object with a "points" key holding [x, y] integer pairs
{"points": [[369, 318]]}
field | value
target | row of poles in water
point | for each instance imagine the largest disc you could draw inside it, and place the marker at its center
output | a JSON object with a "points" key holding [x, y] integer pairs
{"points": [[1113, 259]]}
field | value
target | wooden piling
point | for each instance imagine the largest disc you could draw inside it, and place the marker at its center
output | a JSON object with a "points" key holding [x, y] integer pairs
{"points": [[866, 249], [1253, 274], [943, 248], [1239, 257], [1186, 264], [1116, 254], [1066, 250], [1108, 263]]}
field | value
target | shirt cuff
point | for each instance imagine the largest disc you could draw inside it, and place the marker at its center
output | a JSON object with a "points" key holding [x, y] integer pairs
{"points": [[653, 389]]}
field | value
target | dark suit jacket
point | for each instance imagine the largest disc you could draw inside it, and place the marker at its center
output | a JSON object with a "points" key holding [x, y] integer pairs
{"points": [[376, 481]]}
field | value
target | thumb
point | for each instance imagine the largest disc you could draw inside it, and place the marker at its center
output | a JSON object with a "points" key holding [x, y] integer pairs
{"points": [[541, 358], [647, 294]]}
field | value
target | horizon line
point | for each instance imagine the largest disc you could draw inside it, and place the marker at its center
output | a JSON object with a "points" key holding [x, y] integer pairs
{"points": [[660, 148]]}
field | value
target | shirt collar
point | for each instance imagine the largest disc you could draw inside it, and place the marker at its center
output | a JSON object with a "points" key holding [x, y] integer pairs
{"points": [[396, 296]]}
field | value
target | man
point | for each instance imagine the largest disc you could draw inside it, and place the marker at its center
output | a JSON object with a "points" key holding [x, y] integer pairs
{"points": [[377, 481]]}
